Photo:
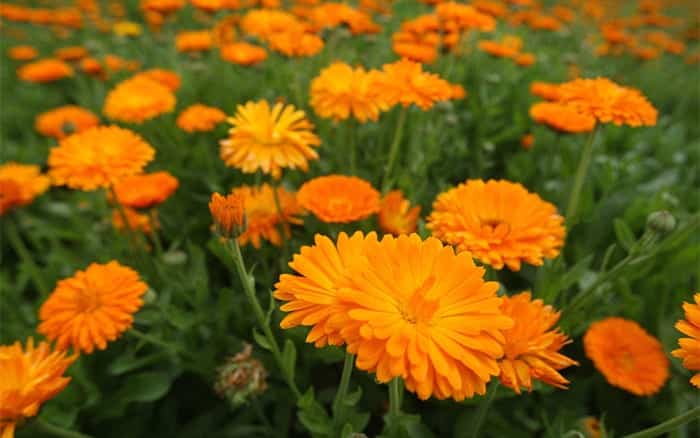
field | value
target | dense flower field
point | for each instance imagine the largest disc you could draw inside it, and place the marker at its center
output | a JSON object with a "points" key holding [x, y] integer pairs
{"points": [[267, 218]]}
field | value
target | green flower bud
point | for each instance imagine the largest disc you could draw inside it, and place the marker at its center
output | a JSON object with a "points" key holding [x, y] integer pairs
{"points": [[661, 222]]}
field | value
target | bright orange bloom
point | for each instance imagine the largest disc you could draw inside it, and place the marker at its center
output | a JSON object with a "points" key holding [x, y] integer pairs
{"points": [[28, 177], [269, 139], [532, 344], [508, 47], [243, 53], [194, 41], [264, 23], [396, 216], [92, 307], [10, 195], [457, 92], [498, 222], [30, 376], [72, 53], [544, 22], [545, 90], [228, 213], [98, 157], [527, 141], [136, 221], [138, 99], [126, 28], [525, 59], [340, 91], [22, 53], [91, 66], [164, 77], [115, 63], [404, 82], [339, 198], [562, 117], [295, 43], [608, 102], [628, 356], [200, 118], [415, 50], [689, 350], [263, 219], [145, 190], [45, 70], [330, 15], [464, 17], [65, 120], [162, 6]]}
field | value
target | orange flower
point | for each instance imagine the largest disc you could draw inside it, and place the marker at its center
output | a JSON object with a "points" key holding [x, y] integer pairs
{"points": [[28, 178], [295, 43], [404, 82], [562, 117], [457, 92], [44, 70], [628, 356], [340, 91], [545, 90], [92, 307], [194, 41], [498, 222], [689, 350], [263, 219], [145, 190], [396, 215], [532, 345], [264, 23], [10, 195], [269, 139], [91, 66], [330, 15], [162, 6], [72, 53], [243, 53], [115, 63], [508, 47], [608, 102], [200, 118], [465, 16], [228, 213], [525, 59], [339, 198], [98, 157], [168, 78], [415, 51], [22, 53], [136, 221], [31, 376], [65, 120], [138, 99]]}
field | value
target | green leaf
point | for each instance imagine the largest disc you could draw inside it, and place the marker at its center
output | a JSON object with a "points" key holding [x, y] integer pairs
{"points": [[313, 416], [270, 309], [289, 357], [145, 387], [624, 235], [261, 340], [127, 362], [353, 398]]}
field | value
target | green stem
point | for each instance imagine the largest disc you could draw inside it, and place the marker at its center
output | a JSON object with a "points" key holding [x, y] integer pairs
{"points": [[351, 126], [344, 382], [484, 409], [395, 396], [581, 171], [667, 426], [249, 288], [280, 225], [58, 431], [25, 255], [394, 150], [154, 233]]}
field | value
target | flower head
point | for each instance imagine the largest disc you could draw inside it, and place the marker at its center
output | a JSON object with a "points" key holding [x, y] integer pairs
{"points": [[532, 344], [92, 307], [145, 190], [508, 47], [135, 221], [22, 53], [498, 222], [200, 118], [228, 213], [10, 195], [689, 350], [396, 216], [138, 99], [65, 120], [562, 117], [98, 157], [628, 356], [241, 377], [72, 53], [45, 70], [295, 42], [243, 53], [27, 178], [404, 82], [31, 375], [340, 91], [339, 198], [194, 41], [545, 90], [269, 139], [168, 78]]}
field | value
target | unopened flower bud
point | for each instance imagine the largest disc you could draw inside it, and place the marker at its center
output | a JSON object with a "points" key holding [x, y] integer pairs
{"points": [[241, 377], [661, 222], [228, 213]]}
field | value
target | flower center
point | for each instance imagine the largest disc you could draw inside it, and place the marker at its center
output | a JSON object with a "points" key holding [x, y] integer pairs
{"points": [[418, 309], [87, 300]]}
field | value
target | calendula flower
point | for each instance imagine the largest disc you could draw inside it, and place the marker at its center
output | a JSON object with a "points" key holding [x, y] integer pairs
{"points": [[532, 344], [10, 195], [331, 15], [92, 67], [162, 6], [164, 77], [464, 17], [145, 190], [135, 221], [138, 99], [689, 350], [628, 356], [263, 218], [269, 139], [295, 43], [404, 82], [31, 376], [200, 118], [72, 53], [243, 53], [414, 50], [28, 178], [508, 47], [65, 120], [22, 53], [525, 59], [92, 307], [498, 222], [608, 102], [228, 213], [263, 23], [545, 90], [45, 70], [194, 41], [241, 377], [340, 91], [115, 63], [98, 157], [396, 216], [127, 29], [562, 117], [339, 198]]}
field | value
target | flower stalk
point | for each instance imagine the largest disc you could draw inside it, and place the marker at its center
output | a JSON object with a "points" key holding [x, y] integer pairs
{"points": [[581, 172], [395, 397], [25, 255], [348, 364], [667, 426], [484, 409], [394, 150]]}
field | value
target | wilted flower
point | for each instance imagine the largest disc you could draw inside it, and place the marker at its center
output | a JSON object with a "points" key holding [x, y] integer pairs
{"points": [[396, 216], [241, 377]]}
